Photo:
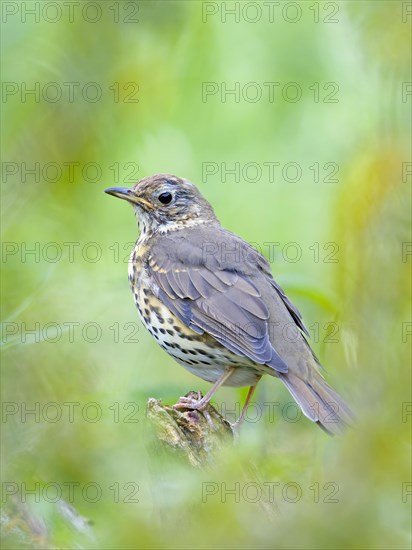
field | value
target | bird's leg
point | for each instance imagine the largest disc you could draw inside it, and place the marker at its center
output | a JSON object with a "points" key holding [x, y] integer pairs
{"points": [[190, 403], [249, 396]]}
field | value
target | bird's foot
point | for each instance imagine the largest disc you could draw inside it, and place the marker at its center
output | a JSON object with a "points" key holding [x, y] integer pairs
{"points": [[193, 401]]}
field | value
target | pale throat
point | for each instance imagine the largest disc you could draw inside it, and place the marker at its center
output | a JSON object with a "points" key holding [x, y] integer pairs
{"points": [[146, 224], [149, 225]]}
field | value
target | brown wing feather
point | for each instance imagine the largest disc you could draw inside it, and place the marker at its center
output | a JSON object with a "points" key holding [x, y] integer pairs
{"points": [[223, 303]]}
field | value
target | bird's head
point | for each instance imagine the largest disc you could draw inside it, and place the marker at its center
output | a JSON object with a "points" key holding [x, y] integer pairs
{"points": [[164, 202]]}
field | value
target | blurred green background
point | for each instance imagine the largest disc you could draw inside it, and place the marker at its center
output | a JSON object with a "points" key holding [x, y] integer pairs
{"points": [[147, 95]]}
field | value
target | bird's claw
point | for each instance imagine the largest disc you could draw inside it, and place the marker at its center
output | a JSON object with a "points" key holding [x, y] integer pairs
{"points": [[195, 401], [190, 402]]}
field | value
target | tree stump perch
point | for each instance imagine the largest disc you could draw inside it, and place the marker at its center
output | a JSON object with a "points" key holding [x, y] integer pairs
{"points": [[196, 436]]}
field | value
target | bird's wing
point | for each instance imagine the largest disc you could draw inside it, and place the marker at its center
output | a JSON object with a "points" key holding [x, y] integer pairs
{"points": [[209, 297], [293, 310]]}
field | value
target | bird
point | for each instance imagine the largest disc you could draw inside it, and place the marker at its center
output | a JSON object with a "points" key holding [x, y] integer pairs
{"points": [[211, 302]]}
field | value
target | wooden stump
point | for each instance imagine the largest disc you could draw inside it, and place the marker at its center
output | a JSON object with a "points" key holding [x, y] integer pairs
{"points": [[195, 436]]}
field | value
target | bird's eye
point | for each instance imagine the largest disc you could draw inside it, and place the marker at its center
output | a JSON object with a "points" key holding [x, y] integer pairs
{"points": [[165, 198]]}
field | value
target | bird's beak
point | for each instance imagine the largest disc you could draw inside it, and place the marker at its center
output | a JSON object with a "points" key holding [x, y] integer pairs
{"points": [[127, 194]]}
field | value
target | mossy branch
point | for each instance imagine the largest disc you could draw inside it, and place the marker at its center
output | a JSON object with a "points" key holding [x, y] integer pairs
{"points": [[197, 436]]}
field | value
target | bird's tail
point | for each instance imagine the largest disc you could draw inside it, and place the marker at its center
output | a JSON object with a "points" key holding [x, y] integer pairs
{"points": [[319, 402]]}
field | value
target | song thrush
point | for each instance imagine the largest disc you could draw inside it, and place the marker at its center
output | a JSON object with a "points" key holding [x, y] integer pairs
{"points": [[210, 301]]}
